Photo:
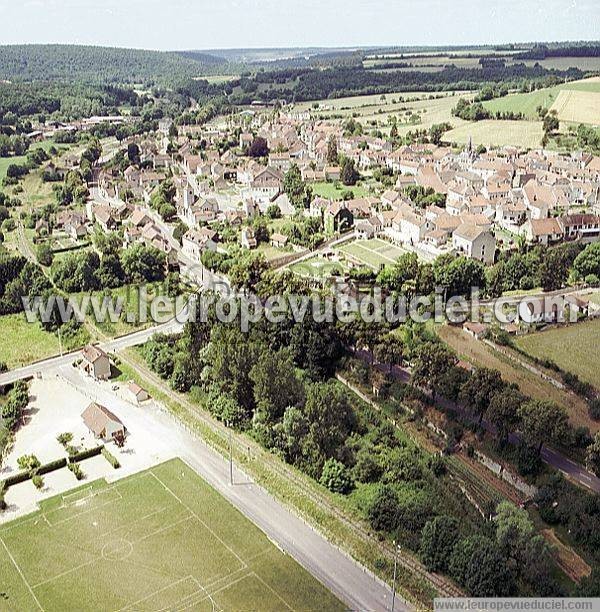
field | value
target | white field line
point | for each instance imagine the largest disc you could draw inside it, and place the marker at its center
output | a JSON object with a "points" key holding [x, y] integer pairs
{"points": [[200, 521], [21, 574]]}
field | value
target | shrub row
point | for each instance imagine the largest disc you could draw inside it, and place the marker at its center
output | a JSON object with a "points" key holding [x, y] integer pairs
{"points": [[85, 454], [111, 458]]}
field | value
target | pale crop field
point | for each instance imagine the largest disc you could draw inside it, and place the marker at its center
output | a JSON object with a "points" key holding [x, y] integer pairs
{"points": [[578, 106], [526, 134]]}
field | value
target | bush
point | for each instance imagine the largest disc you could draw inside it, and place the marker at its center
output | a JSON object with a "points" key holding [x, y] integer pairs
{"points": [[77, 471], [38, 481], [594, 409], [64, 439], [383, 511], [58, 464], [335, 477], [111, 458], [85, 454]]}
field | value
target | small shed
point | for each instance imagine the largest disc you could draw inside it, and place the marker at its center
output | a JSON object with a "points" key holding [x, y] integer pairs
{"points": [[136, 393]]}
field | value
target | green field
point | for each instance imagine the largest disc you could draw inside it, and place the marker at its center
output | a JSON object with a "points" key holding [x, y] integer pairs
{"points": [[24, 342], [316, 267], [566, 99], [335, 191], [571, 347], [373, 253], [159, 540], [5, 162], [525, 134]]}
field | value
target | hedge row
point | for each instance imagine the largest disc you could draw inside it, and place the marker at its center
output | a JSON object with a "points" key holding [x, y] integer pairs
{"points": [[111, 459], [86, 454], [50, 467]]}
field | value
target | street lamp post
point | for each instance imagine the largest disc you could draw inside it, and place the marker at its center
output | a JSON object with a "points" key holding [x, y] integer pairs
{"points": [[395, 574]]}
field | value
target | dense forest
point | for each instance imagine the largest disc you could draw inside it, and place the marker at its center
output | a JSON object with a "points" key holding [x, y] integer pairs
{"points": [[99, 64], [540, 52], [340, 81]]}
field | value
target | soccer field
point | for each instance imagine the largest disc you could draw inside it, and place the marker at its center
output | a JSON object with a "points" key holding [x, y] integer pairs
{"points": [[159, 540], [373, 253]]}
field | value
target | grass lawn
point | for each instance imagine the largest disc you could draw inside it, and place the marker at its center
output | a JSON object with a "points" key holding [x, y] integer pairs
{"points": [[316, 267], [480, 354], [373, 253], [159, 540], [129, 320], [5, 162], [24, 342], [334, 191], [572, 347], [271, 252]]}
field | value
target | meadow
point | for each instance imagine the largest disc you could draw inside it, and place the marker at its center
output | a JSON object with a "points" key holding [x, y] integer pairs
{"points": [[23, 342], [570, 347], [159, 540]]}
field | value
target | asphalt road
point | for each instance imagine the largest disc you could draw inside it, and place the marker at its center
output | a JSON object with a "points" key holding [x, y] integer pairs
{"points": [[347, 579], [112, 346]]}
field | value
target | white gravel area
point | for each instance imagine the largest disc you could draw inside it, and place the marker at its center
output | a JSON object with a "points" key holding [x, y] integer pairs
{"points": [[57, 401]]}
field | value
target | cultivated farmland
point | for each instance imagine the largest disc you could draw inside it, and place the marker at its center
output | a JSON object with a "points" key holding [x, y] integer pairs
{"points": [[159, 540], [525, 134]]}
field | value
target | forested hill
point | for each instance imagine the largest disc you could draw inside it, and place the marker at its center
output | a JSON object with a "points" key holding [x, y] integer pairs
{"points": [[100, 64]]}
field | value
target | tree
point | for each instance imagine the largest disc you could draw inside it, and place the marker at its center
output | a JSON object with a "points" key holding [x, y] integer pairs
{"points": [[542, 421], [503, 411], [332, 151], [349, 174], [431, 361], [331, 419], [335, 477], [550, 122], [29, 463], [64, 439], [514, 529], [294, 187], [276, 386], [258, 148], [478, 564], [383, 510], [588, 261], [592, 455], [133, 153], [143, 263], [480, 388], [44, 254], [389, 350], [438, 539]]}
